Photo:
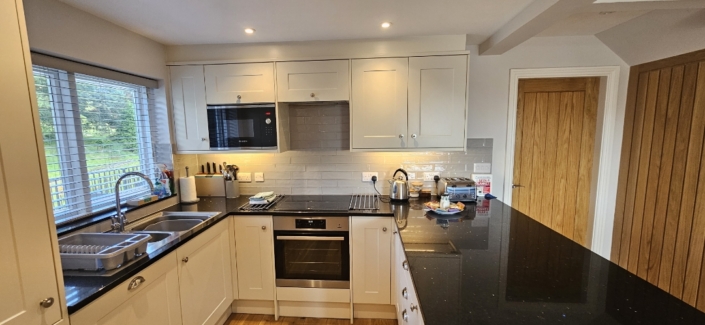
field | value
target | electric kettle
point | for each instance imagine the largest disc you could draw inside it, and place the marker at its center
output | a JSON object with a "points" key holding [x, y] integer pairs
{"points": [[398, 188]]}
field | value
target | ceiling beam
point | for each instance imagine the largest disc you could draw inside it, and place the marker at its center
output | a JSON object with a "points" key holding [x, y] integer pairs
{"points": [[531, 21]]}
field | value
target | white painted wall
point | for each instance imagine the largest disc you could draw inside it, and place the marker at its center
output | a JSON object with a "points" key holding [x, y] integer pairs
{"points": [[59, 29], [312, 50], [657, 35]]}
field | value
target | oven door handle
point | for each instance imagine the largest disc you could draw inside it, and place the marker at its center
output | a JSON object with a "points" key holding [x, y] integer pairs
{"points": [[310, 238]]}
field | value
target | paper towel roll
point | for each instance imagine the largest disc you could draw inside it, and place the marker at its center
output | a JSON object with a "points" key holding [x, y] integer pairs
{"points": [[188, 189]]}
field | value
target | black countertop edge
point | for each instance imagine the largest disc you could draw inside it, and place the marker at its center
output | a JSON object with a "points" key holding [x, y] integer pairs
{"points": [[82, 290], [99, 217]]}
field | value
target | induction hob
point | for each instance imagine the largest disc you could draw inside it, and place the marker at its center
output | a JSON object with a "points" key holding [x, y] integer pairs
{"points": [[314, 203]]}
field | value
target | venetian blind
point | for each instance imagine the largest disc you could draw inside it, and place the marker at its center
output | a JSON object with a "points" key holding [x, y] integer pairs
{"points": [[94, 130]]}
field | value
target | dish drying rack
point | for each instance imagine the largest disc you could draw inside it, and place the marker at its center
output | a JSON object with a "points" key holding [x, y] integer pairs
{"points": [[364, 202], [261, 207]]}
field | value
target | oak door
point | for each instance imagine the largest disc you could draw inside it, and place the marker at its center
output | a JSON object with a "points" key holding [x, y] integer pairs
{"points": [[553, 153], [28, 272], [379, 103]]}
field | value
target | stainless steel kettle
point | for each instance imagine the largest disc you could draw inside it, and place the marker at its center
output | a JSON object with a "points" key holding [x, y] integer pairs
{"points": [[398, 188]]}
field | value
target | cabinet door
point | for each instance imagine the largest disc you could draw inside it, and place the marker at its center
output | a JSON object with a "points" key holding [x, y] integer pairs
{"points": [[378, 107], [437, 87], [205, 281], [188, 98], [154, 301], [240, 83], [313, 81], [371, 260], [28, 272], [255, 257]]}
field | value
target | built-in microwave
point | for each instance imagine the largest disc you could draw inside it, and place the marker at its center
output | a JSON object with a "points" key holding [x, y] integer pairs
{"points": [[232, 127]]}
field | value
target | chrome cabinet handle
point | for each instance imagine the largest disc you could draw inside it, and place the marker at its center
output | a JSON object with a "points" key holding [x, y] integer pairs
{"points": [[517, 185], [413, 307], [401, 136], [394, 232], [239, 97], [384, 229], [405, 265], [405, 293], [136, 282], [264, 227], [46, 303], [313, 95], [185, 259], [204, 139], [413, 136], [405, 315]]}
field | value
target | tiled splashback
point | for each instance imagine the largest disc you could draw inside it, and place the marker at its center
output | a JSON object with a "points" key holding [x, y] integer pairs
{"points": [[320, 162]]}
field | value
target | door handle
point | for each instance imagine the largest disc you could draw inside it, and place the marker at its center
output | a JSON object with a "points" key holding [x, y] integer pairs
{"points": [[311, 238], [517, 185]]}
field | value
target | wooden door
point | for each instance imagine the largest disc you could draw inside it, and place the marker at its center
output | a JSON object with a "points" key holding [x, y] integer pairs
{"points": [[242, 83], [312, 81], [379, 103], [553, 153], [437, 86], [188, 98], [371, 260], [205, 281], [255, 257], [28, 272]]}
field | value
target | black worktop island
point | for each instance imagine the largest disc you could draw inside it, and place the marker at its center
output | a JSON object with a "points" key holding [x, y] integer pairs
{"points": [[498, 266]]}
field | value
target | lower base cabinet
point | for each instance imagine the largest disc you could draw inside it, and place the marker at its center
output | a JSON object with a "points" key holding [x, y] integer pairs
{"points": [[205, 276], [155, 300], [254, 247], [404, 295], [371, 239]]}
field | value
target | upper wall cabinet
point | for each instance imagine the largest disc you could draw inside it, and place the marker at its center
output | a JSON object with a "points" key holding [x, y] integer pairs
{"points": [[434, 118], [239, 83], [437, 87], [188, 93], [313, 81], [379, 103]]}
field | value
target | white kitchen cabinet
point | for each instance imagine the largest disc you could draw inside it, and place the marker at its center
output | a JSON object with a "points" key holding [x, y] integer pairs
{"points": [[30, 270], [404, 294], [379, 103], [240, 83], [437, 87], [205, 279], [188, 98], [154, 301], [254, 246], [371, 259], [312, 81]]}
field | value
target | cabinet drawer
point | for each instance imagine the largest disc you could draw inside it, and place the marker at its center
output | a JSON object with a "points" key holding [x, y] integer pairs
{"points": [[313, 81], [239, 83], [159, 287]]}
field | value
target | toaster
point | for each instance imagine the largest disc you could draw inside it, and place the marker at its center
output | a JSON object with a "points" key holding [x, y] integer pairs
{"points": [[458, 188]]}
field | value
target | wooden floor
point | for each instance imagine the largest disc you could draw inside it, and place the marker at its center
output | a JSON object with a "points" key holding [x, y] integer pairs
{"points": [[248, 319]]}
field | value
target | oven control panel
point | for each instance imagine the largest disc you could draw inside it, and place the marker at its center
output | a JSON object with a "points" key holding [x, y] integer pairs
{"points": [[310, 223]]}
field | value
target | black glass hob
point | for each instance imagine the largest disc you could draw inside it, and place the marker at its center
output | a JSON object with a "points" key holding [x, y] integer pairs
{"points": [[314, 203]]}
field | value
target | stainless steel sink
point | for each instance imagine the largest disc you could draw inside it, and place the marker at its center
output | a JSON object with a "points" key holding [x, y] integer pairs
{"points": [[165, 227]]}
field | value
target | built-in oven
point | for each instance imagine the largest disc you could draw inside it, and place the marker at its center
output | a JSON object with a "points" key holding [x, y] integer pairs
{"points": [[312, 252], [242, 127]]}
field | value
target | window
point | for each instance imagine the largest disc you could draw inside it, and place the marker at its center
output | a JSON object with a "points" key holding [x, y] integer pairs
{"points": [[94, 131]]}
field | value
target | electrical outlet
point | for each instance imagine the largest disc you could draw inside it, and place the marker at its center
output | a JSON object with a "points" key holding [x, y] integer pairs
{"points": [[367, 176], [259, 177], [244, 177], [484, 168], [428, 176], [412, 175]]}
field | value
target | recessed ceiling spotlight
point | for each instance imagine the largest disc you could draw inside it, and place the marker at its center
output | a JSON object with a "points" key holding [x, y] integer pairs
{"points": [[386, 24], [249, 30]]}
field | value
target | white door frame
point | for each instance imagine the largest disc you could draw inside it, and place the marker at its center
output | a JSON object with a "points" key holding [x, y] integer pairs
{"points": [[602, 225]]}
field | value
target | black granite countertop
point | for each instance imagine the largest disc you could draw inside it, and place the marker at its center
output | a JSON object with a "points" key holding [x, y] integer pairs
{"points": [[495, 265]]}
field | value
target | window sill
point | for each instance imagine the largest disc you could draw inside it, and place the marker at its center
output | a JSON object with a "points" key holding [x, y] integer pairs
{"points": [[99, 217]]}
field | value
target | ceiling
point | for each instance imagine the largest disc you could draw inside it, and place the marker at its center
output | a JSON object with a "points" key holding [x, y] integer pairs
{"points": [[181, 22]]}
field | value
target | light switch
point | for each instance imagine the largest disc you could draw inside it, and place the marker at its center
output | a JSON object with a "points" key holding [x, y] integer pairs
{"points": [[483, 168], [259, 177]]}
